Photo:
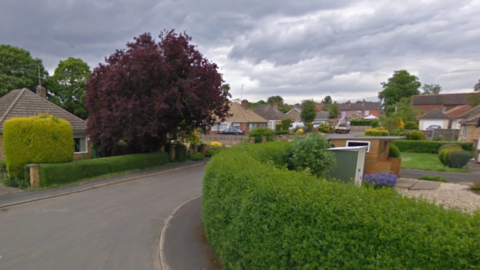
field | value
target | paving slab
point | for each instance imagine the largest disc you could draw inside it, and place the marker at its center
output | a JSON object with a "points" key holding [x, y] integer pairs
{"points": [[406, 183], [425, 185]]}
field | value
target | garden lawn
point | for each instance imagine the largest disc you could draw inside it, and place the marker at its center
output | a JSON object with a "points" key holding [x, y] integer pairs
{"points": [[428, 162]]}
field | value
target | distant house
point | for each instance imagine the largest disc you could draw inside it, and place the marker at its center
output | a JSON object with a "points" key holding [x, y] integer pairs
{"points": [[456, 115], [322, 117], [23, 102], [442, 102], [360, 110], [295, 114], [271, 114], [242, 118], [434, 117], [469, 130]]}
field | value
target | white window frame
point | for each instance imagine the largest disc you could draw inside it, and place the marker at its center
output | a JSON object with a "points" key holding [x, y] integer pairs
{"points": [[367, 113], [85, 144], [366, 142], [359, 113]]}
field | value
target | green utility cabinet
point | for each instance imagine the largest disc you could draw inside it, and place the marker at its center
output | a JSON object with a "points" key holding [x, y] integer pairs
{"points": [[350, 164]]}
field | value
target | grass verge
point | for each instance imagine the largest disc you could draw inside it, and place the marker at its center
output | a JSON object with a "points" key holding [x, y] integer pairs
{"points": [[427, 162]]}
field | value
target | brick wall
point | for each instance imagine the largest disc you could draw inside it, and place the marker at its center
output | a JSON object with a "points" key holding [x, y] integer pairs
{"points": [[295, 116], [472, 134]]}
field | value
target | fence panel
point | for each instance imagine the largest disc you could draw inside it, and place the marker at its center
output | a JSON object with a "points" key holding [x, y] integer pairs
{"points": [[224, 139], [443, 134]]}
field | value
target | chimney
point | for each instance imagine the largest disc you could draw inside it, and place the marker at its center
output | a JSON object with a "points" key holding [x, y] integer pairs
{"points": [[275, 105], [41, 91], [245, 104]]}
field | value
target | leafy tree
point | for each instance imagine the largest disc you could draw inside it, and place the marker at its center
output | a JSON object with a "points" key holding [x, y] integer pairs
{"points": [[333, 110], [285, 107], [327, 100], [19, 70], [68, 86], [392, 122], [274, 99], [309, 111], [476, 87], [405, 110], [402, 84], [253, 105], [431, 89], [151, 89]]}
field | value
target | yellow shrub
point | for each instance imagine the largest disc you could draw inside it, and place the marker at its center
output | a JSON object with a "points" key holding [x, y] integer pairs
{"points": [[215, 144], [300, 131], [36, 139]]}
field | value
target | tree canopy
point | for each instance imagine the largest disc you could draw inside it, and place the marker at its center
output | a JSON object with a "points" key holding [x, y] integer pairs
{"points": [[68, 86], [274, 99], [476, 87], [401, 84], [327, 100], [19, 70], [405, 111], [431, 89], [150, 89], [309, 112]]}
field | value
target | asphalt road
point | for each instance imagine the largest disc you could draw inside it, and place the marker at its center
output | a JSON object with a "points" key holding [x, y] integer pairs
{"points": [[114, 227], [452, 177]]}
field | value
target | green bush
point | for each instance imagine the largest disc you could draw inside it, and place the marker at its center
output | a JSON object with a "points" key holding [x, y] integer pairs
{"points": [[375, 123], [282, 132], [311, 153], [36, 139], [309, 127], [259, 215], [376, 132], [360, 122], [411, 125], [444, 155], [286, 123], [434, 178], [211, 152], [64, 173], [406, 134], [180, 153], [324, 128], [278, 127], [3, 166], [449, 145], [458, 159], [258, 133], [430, 147], [394, 151], [417, 135], [197, 156]]}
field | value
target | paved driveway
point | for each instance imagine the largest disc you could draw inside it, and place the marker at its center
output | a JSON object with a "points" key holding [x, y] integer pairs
{"points": [[114, 227]]}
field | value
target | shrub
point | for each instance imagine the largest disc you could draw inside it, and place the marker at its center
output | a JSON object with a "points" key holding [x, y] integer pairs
{"points": [[282, 132], [411, 125], [430, 147], [324, 128], [299, 131], [36, 139], [309, 127], [258, 133], [444, 155], [3, 166], [375, 123], [278, 127], [417, 135], [63, 173], [312, 153], [449, 145], [406, 134], [211, 152], [181, 152], [394, 151], [379, 180], [434, 178], [197, 156], [360, 122], [286, 123], [458, 159], [259, 215], [376, 132], [215, 144]]}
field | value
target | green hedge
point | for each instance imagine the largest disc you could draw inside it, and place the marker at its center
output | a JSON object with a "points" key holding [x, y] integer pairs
{"points": [[260, 132], [309, 127], [63, 173], [417, 135], [278, 127], [180, 152], [376, 132], [36, 139], [197, 156], [428, 146], [286, 123], [358, 122], [259, 215], [394, 151]]}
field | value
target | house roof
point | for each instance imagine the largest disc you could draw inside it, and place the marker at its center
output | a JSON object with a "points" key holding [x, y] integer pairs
{"points": [[23, 102], [268, 112], [468, 114], [434, 114], [242, 115], [441, 99], [367, 106], [294, 109], [473, 120], [457, 111], [322, 116]]}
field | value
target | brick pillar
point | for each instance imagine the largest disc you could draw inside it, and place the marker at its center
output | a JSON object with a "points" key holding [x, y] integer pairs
{"points": [[34, 175], [172, 152], [252, 140], [203, 148]]}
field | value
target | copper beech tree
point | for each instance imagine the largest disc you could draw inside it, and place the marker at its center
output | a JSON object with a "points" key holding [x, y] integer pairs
{"points": [[151, 89]]}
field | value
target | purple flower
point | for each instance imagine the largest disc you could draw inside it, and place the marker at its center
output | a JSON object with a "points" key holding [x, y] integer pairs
{"points": [[381, 179]]}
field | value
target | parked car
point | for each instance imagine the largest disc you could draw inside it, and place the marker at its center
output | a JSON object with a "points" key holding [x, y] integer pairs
{"points": [[432, 127], [294, 125], [316, 124], [232, 131]]}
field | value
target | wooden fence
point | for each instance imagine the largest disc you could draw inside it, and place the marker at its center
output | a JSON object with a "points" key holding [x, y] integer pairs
{"points": [[224, 139], [443, 134]]}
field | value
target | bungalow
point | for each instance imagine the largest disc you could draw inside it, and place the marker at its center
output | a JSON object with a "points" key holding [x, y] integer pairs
{"points": [[241, 117], [469, 131], [360, 110], [270, 113], [295, 114], [456, 115], [322, 117], [23, 102], [434, 117]]}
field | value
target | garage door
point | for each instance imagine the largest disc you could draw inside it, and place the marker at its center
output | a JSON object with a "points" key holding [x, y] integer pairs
{"points": [[428, 123]]}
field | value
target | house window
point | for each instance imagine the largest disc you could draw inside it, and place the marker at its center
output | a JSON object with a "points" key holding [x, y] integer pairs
{"points": [[359, 143], [464, 131], [223, 126], [80, 145], [367, 113], [252, 126], [262, 125], [359, 113], [236, 125]]}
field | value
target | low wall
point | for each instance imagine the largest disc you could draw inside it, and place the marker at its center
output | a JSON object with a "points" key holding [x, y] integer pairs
{"points": [[224, 139]]}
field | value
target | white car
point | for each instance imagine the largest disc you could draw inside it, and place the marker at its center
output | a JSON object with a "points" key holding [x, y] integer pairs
{"points": [[294, 125], [316, 124]]}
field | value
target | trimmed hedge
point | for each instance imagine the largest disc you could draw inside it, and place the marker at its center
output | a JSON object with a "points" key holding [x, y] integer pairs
{"points": [[197, 156], [324, 128], [258, 133], [278, 127], [180, 152], [286, 123], [36, 139], [376, 132], [358, 122], [417, 135], [309, 127], [64, 173], [394, 151], [458, 159], [259, 215], [411, 125], [430, 147], [211, 152], [282, 132]]}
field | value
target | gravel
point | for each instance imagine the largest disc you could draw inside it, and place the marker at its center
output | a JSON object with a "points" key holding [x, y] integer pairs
{"points": [[449, 195]]}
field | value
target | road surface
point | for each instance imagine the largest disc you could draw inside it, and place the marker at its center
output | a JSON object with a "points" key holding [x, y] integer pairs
{"points": [[114, 227]]}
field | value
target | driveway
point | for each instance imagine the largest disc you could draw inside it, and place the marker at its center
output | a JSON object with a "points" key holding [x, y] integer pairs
{"points": [[450, 176], [114, 227]]}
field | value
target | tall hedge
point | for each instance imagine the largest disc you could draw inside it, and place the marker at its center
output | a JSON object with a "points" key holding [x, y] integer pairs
{"points": [[65, 173], [37, 139], [259, 215], [286, 123], [360, 122], [428, 146]]}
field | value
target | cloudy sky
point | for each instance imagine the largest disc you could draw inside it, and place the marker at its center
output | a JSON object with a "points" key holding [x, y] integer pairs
{"points": [[298, 49]]}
